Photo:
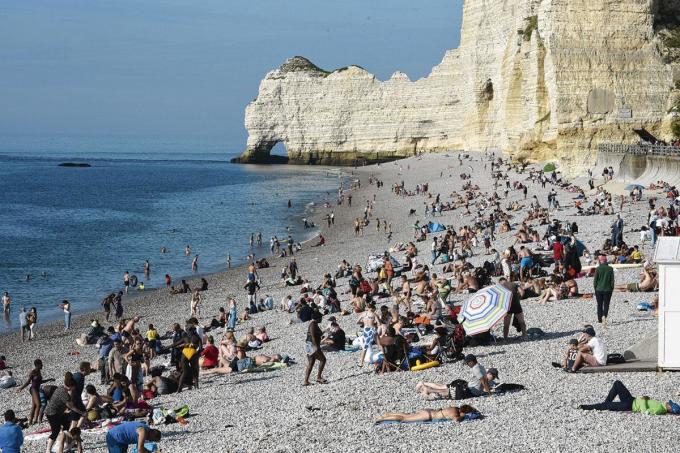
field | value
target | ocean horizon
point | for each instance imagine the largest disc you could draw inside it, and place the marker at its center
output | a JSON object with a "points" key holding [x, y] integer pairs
{"points": [[75, 231]]}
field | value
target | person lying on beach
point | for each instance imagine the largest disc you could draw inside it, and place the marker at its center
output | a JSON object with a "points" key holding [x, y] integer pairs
{"points": [[628, 403], [649, 282], [448, 413], [241, 362]]}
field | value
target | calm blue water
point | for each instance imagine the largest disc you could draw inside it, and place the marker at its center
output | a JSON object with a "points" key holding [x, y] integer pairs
{"points": [[84, 227]]}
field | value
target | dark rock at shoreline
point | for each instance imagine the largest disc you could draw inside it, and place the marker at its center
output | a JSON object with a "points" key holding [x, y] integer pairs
{"points": [[75, 164]]}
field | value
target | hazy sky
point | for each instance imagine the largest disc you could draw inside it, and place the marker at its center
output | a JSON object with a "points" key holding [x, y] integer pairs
{"points": [[188, 68]]}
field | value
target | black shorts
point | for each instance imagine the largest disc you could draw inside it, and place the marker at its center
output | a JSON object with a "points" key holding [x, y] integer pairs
{"points": [[57, 423], [515, 307]]}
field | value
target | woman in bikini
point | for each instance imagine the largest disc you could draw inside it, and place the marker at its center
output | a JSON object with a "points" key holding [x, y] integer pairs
{"points": [[428, 415]]}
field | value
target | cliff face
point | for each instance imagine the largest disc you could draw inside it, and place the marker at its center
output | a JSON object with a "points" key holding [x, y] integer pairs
{"points": [[534, 78]]}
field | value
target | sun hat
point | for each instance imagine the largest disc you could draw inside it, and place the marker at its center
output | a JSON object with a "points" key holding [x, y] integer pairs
{"points": [[493, 372], [470, 358]]}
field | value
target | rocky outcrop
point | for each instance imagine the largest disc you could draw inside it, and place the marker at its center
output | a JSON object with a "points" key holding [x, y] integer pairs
{"points": [[541, 79]]}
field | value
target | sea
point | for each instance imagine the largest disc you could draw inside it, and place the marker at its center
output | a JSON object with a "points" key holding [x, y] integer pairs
{"points": [[71, 233]]}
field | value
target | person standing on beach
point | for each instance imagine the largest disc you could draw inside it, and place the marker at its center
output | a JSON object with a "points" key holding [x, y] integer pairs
{"points": [[57, 406], [314, 352], [66, 306], [35, 380], [106, 303], [32, 320], [23, 323], [604, 286], [126, 281], [118, 305], [6, 301], [292, 269], [195, 300], [233, 315]]}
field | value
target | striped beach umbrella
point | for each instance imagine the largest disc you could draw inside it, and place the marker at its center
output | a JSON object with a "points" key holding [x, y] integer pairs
{"points": [[486, 308]]}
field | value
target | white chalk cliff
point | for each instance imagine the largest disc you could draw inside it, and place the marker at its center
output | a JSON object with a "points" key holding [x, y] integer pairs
{"points": [[533, 78]]}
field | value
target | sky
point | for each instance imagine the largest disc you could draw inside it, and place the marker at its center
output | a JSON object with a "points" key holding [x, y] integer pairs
{"points": [[188, 68]]}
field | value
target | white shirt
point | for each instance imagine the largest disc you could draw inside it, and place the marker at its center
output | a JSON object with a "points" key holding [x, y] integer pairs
{"points": [[599, 349]]}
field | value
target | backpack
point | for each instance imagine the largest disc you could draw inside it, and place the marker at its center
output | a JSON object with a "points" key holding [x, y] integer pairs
{"points": [[459, 390]]}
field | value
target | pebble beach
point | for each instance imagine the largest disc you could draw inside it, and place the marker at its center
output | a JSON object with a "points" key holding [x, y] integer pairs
{"points": [[274, 412]]}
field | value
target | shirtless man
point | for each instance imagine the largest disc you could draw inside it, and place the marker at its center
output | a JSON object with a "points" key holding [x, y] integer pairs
{"points": [[649, 281], [126, 281], [194, 264], [6, 301], [405, 292], [467, 282]]}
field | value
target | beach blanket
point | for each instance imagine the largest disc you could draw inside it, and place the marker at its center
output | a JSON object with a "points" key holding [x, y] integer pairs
{"points": [[466, 418]]}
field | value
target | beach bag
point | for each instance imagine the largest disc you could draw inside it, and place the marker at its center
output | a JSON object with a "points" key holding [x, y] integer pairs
{"points": [[614, 359], [458, 389]]}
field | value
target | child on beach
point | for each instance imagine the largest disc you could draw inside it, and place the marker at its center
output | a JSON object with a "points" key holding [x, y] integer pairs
{"points": [[152, 337]]}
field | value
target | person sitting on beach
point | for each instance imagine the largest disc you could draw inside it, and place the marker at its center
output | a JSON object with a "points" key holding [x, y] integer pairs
{"points": [[649, 281], [426, 415], [95, 403], [209, 355], [68, 441], [592, 351], [204, 285], [628, 403], [161, 385], [334, 339], [482, 382], [261, 334], [227, 348]]}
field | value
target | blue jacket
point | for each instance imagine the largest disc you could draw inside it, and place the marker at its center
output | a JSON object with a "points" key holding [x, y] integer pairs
{"points": [[11, 438]]}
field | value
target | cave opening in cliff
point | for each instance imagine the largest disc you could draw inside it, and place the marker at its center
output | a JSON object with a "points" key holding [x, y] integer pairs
{"points": [[278, 153], [279, 149]]}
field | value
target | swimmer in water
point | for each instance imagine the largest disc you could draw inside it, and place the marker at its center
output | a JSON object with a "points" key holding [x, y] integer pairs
{"points": [[194, 264], [187, 250]]}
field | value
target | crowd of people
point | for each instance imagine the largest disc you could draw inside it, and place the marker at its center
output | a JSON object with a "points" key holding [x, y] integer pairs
{"points": [[396, 305]]}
